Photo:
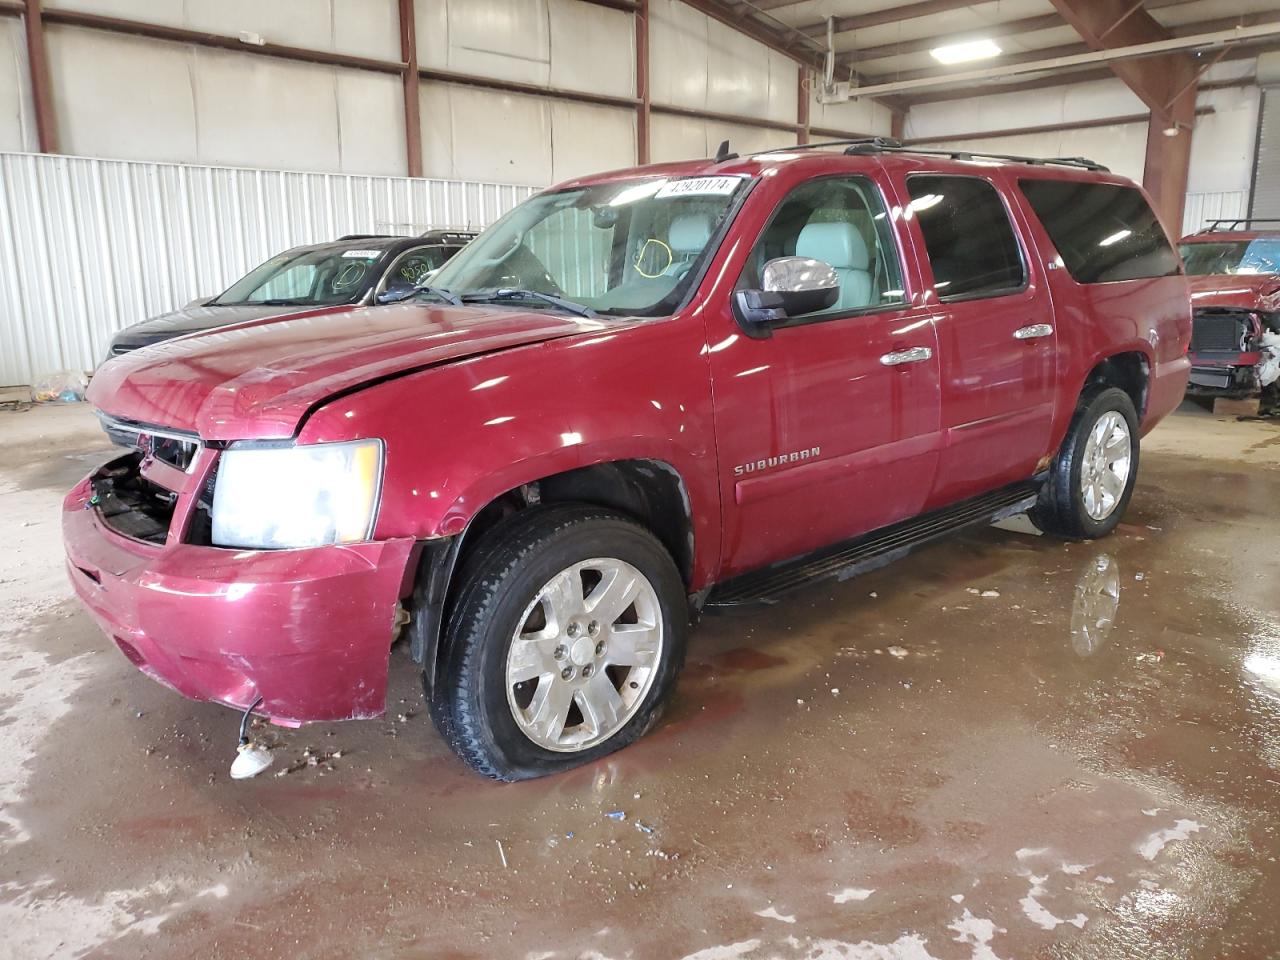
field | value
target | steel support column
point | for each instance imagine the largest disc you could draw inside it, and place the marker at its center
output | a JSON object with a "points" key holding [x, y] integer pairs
{"points": [[897, 124], [802, 105], [643, 111], [412, 87], [41, 88]]}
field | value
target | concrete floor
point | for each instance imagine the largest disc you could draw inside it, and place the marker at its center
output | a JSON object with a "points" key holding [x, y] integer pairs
{"points": [[896, 768]]}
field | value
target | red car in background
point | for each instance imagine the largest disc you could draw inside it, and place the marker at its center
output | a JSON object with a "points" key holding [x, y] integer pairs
{"points": [[1234, 270]]}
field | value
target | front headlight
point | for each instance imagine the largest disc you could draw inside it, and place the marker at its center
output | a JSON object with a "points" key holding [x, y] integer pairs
{"points": [[276, 497]]}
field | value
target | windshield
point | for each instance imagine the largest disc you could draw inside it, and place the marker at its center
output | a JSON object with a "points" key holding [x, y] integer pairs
{"points": [[308, 277], [1232, 256], [630, 248]]}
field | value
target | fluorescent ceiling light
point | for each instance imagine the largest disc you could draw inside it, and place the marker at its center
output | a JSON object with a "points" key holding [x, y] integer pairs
{"points": [[964, 52]]}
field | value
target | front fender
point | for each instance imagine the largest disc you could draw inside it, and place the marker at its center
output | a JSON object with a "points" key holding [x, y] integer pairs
{"points": [[461, 435]]}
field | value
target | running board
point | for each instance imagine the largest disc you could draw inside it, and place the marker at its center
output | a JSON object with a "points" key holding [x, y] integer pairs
{"points": [[872, 550]]}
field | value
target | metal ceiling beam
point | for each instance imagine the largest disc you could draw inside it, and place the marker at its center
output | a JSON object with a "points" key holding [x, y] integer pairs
{"points": [[876, 18], [1030, 56], [811, 55], [910, 11], [1068, 78], [755, 30], [1182, 30], [902, 48], [771, 4], [1131, 118], [1110, 27], [1116, 56], [1166, 83], [155, 31]]}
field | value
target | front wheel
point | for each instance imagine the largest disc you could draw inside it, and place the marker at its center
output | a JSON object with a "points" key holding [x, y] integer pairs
{"points": [[1091, 480], [566, 639]]}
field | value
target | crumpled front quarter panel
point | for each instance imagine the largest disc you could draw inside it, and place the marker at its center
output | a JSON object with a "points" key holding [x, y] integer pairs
{"points": [[460, 435]]}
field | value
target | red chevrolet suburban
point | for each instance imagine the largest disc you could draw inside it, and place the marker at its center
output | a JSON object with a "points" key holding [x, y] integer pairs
{"points": [[638, 395], [1233, 267]]}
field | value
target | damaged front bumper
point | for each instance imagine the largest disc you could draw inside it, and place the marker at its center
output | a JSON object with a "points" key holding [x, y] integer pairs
{"points": [[309, 631]]}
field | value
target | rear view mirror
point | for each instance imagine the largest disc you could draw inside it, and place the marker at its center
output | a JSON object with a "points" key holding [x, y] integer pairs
{"points": [[789, 287]]}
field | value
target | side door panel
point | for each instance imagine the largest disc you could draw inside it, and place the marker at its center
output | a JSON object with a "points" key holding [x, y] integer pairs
{"points": [[818, 439], [997, 348]]}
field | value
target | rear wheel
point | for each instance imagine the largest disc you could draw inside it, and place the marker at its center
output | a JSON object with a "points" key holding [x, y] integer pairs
{"points": [[566, 639], [1091, 480]]}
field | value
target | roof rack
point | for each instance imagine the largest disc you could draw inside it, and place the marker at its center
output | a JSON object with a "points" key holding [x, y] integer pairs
{"points": [[1234, 223], [367, 236], [863, 146], [448, 236]]}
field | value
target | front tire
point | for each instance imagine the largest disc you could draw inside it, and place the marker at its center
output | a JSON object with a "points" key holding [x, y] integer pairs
{"points": [[566, 639], [1092, 478]]}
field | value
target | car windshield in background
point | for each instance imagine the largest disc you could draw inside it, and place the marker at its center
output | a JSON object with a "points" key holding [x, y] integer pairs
{"points": [[632, 248], [1232, 256], [308, 277]]}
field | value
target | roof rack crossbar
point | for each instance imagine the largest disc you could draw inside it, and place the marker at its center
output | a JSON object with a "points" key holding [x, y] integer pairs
{"points": [[864, 146], [1083, 163], [1234, 223], [818, 145]]}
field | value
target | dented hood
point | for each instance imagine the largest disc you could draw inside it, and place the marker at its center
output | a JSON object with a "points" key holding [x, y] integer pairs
{"points": [[1249, 291], [258, 380]]}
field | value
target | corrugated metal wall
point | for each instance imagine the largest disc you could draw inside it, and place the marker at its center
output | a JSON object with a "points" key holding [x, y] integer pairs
{"points": [[1203, 207], [90, 246], [1266, 174]]}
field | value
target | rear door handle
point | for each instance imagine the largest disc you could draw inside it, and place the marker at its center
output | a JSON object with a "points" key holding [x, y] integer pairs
{"points": [[1033, 332], [913, 355]]}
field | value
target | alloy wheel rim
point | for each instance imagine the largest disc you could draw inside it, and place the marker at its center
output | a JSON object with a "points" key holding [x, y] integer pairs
{"points": [[1104, 470], [584, 655]]}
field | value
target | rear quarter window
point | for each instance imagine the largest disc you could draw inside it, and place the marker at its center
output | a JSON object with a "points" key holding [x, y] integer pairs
{"points": [[1103, 232]]}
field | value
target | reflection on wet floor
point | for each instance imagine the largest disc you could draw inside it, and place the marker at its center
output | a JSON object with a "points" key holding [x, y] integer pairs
{"points": [[1093, 612], [1004, 746]]}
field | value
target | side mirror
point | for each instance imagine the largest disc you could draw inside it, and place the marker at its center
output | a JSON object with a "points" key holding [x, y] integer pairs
{"points": [[395, 293], [790, 287]]}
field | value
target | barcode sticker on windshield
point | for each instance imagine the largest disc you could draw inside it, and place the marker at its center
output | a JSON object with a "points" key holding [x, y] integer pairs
{"points": [[363, 254], [699, 186]]}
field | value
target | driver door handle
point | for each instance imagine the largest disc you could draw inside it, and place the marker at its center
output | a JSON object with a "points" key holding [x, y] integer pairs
{"points": [[913, 355], [1033, 332]]}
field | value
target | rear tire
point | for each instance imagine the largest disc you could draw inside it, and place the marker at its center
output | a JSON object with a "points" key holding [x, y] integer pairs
{"points": [[1091, 479], [566, 639]]}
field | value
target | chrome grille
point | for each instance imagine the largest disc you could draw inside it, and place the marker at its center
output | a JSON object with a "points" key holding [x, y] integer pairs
{"points": [[174, 447]]}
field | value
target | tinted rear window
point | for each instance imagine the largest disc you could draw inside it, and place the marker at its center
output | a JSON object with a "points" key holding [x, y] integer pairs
{"points": [[968, 236], [1103, 232]]}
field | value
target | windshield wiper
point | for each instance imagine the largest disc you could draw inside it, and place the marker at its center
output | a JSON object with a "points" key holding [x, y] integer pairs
{"points": [[516, 293], [398, 296], [279, 303]]}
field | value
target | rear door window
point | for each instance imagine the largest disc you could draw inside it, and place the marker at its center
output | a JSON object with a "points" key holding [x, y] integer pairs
{"points": [[1104, 232], [968, 235]]}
